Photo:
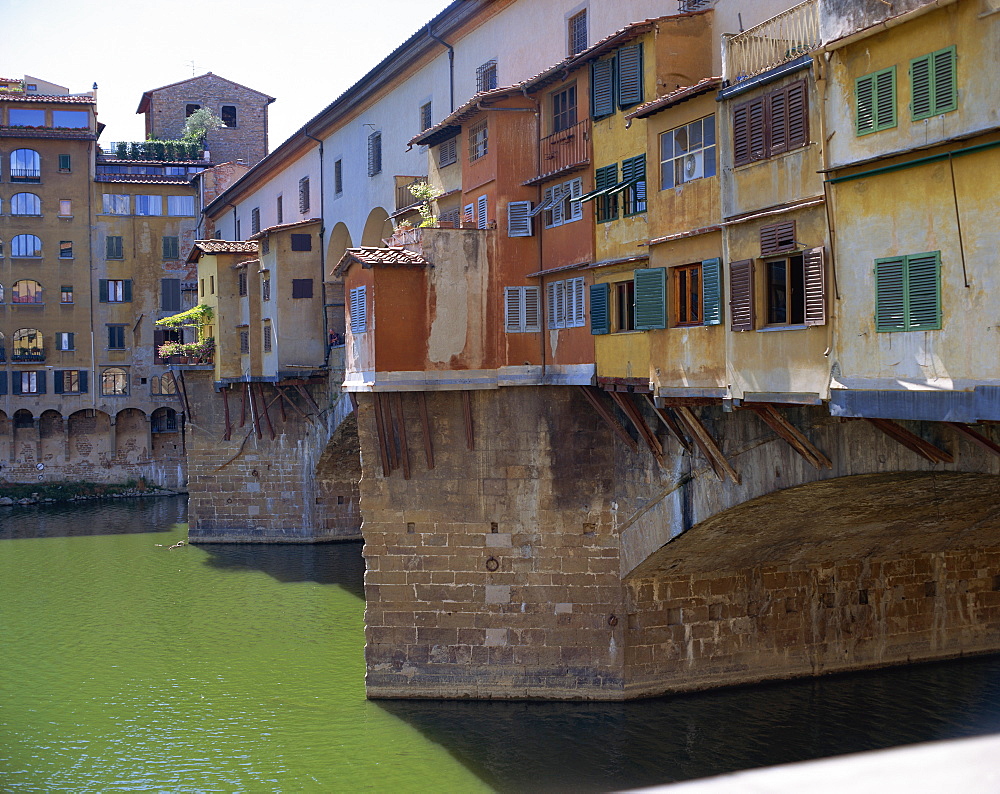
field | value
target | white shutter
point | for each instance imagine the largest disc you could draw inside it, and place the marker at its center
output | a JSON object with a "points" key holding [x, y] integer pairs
{"points": [[575, 312], [468, 214], [561, 304], [481, 217], [545, 203], [532, 309], [519, 219], [550, 304], [575, 207], [512, 309], [558, 205]]}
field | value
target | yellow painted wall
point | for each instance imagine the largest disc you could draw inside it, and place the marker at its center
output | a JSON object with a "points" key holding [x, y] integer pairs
{"points": [[624, 354]]}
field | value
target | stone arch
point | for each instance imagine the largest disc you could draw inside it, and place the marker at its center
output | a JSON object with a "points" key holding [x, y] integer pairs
{"points": [[336, 478], [24, 431], [377, 227], [165, 425], [131, 435], [340, 241], [5, 437], [89, 437], [52, 438]]}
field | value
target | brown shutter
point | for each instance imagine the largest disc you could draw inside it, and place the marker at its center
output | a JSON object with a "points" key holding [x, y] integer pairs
{"points": [[777, 121], [741, 295], [777, 237], [757, 125], [798, 115], [741, 135], [815, 285]]}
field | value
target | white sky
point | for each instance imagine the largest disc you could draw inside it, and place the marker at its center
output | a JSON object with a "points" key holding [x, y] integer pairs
{"points": [[304, 53]]}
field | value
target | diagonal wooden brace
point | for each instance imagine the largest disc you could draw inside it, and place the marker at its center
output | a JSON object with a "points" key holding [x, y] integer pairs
{"points": [[666, 416], [975, 437], [912, 441], [706, 444], [630, 410], [791, 434], [609, 418]]}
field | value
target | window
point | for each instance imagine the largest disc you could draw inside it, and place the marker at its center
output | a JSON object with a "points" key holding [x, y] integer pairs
{"points": [[558, 205], [785, 291], [633, 185], [933, 84], [228, 115], [115, 204], [66, 208], [69, 381], [375, 153], [522, 310], [242, 279], [687, 153], [29, 382], [448, 152], [116, 337], [564, 109], [149, 205], [113, 248], [302, 287], [244, 342], [170, 294], [28, 345], [623, 306], [777, 237], [114, 382], [71, 119], [65, 163], [519, 216], [338, 177], [171, 248], [190, 108], [482, 213], [26, 291], [65, 249], [267, 337], [564, 303], [875, 101], [25, 166], [163, 384], [25, 204], [605, 179], [163, 420], [577, 33], [425, 116], [180, 205], [302, 242], [66, 293], [771, 124], [115, 290], [795, 291], [452, 219], [304, 194], [202, 288], [26, 117], [279, 210], [25, 245], [486, 76], [65, 341], [211, 285], [478, 143], [908, 292], [359, 310], [239, 233], [255, 220], [686, 294]]}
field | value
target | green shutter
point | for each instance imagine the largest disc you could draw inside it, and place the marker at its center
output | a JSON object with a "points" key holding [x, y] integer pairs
{"points": [[602, 88], [711, 286], [171, 248], [102, 290], [890, 294], [127, 290], [945, 94], [57, 381], [885, 98], [650, 298], [600, 318], [864, 104], [629, 75], [923, 292], [920, 87]]}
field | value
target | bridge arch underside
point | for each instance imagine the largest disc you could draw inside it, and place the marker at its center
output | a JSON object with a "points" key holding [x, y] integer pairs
{"points": [[843, 574]]}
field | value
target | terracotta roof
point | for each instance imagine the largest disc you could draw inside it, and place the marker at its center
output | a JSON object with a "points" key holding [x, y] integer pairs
{"points": [[368, 257], [159, 179], [147, 95], [17, 96], [245, 263], [281, 227], [675, 97], [221, 247]]}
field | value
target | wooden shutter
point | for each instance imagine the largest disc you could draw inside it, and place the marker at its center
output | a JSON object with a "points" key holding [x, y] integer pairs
{"points": [[923, 292], [102, 290], [757, 128], [741, 134], [532, 308], [127, 290], [482, 218], [71, 340], [374, 153], [58, 381], [890, 294], [920, 87], [302, 287], [577, 313], [943, 76], [448, 152], [711, 291], [814, 278], [741, 295], [82, 379], [512, 309], [519, 219], [170, 294], [630, 75], [777, 237], [3, 382], [550, 304], [864, 104], [885, 99], [40, 381], [602, 88], [15, 382], [650, 298], [797, 131], [777, 121], [600, 317]]}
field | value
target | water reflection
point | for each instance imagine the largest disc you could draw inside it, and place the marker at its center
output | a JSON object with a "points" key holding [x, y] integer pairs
{"points": [[97, 517]]}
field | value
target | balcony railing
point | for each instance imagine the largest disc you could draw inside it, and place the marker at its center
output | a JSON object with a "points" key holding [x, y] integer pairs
{"points": [[404, 198], [773, 42], [565, 149], [28, 355], [25, 175]]}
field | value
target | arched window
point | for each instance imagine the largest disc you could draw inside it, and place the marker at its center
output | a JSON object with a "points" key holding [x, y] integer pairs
{"points": [[25, 166], [26, 291], [25, 245], [23, 419], [28, 345], [25, 204], [114, 382], [163, 384], [163, 420]]}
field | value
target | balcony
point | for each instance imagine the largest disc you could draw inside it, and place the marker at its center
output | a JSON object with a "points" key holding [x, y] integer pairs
{"points": [[25, 175], [775, 41], [405, 198], [32, 355], [563, 151]]}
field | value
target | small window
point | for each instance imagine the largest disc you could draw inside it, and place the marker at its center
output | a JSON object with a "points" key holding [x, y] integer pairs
{"points": [[686, 294], [164, 420], [279, 210], [687, 153], [66, 249], [180, 205], [28, 345], [116, 337], [933, 84], [338, 177], [564, 109], [229, 115], [358, 310], [190, 108], [211, 285], [255, 220], [115, 204], [558, 204], [244, 342], [66, 293], [776, 238], [29, 382], [304, 194], [522, 310], [114, 382], [265, 289], [25, 204], [149, 205], [242, 279], [302, 287], [171, 248], [448, 153], [239, 233], [478, 140], [425, 116], [265, 244], [26, 291], [623, 306], [605, 180], [170, 294], [65, 341], [630, 77], [577, 33], [68, 381], [115, 290], [875, 101], [482, 213], [267, 337], [634, 182], [66, 208], [65, 163], [113, 247], [375, 154], [786, 291], [302, 242], [486, 76]]}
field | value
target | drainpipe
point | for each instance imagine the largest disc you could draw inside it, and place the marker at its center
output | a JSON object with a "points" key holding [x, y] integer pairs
{"points": [[322, 247], [451, 68]]}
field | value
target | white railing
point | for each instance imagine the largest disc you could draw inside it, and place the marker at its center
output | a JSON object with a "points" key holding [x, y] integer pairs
{"points": [[773, 42]]}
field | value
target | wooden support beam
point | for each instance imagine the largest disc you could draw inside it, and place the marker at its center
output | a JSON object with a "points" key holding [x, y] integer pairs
{"points": [[383, 448], [634, 415], [426, 425], [263, 409], [225, 407], [390, 431], [707, 444], [291, 402], [404, 450], [912, 441], [254, 411], [791, 434], [305, 393], [182, 386], [666, 416], [470, 439], [243, 407], [975, 437], [609, 418]]}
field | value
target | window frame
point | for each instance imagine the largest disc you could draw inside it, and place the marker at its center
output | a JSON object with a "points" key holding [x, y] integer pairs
{"points": [[563, 105], [875, 95], [522, 309], [701, 151], [905, 298], [118, 375], [936, 104], [479, 140], [755, 123], [681, 291]]}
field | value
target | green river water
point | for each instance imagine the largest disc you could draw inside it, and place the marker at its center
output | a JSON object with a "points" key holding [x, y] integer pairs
{"points": [[126, 665]]}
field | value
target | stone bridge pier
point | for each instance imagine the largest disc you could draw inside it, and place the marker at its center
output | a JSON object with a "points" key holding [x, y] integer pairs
{"points": [[550, 543]]}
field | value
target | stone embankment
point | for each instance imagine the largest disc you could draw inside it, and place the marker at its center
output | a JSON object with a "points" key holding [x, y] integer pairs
{"points": [[15, 496]]}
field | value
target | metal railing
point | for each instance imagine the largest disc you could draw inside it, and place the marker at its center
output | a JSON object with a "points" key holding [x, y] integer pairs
{"points": [[775, 41], [28, 355], [565, 148], [404, 198], [686, 6], [25, 174]]}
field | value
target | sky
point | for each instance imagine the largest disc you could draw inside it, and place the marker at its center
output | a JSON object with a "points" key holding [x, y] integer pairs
{"points": [[304, 53]]}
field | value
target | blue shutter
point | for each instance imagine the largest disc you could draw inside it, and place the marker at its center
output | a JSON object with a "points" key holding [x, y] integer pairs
{"points": [[102, 290], [600, 318], [83, 381], [3, 382], [127, 291], [650, 298], [711, 286], [40, 380], [58, 381], [15, 382], [602, 88], [630, 75]]}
